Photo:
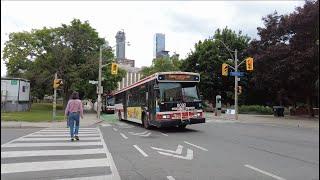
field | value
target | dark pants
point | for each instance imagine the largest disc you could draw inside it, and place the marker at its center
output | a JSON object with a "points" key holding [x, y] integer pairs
{"points": [[73, 122]]}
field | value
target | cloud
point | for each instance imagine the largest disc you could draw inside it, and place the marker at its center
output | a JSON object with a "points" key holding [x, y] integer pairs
{"points": [[183, 22]]}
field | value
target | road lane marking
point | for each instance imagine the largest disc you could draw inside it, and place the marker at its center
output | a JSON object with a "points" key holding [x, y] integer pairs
{"points": [[81, 128], [124, 136], [106, 125], [140, 150], [189, 155], [60, 135], [178, 151], [52, 165], [66, 132], [144, 134], [138, 133], [115, 129], [170, 178], [52, 144], [165, 135], [199, 147], [10, 154], [264, 172], [114, 170], [105, 177], [56, 139]]}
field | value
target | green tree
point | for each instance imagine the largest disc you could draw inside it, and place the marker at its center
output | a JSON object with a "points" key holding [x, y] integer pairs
{"points": [[287, 56], [71, 51], [163, 64], [207, 59]]}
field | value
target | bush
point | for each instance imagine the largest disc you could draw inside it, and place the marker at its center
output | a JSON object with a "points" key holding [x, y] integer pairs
{"points": [[255, 109]]}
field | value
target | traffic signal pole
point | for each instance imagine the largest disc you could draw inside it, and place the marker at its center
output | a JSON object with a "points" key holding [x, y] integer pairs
{"points": [[54, 99], [236, 85]]}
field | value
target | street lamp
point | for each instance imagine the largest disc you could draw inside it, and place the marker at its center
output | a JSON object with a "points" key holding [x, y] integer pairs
{"points": [[235, 59]]}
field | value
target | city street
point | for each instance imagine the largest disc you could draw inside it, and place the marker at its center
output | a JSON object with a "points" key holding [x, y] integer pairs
{"points": [[232, 84], [214, 150]]}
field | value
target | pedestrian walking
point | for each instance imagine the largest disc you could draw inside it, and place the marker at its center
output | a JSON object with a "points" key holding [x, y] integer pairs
{"points": [[73, 111]]}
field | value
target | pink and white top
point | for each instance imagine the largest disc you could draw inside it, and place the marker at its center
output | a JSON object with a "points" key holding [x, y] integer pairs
{"points": [[74, 105]]}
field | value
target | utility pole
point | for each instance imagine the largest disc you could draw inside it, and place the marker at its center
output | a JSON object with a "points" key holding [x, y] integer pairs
{"points": [[99, 85], [236, 85], [54, 99], [236, 74]]}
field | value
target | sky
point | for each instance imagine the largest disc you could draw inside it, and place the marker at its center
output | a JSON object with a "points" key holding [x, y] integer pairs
{"points": [[183, 22]]}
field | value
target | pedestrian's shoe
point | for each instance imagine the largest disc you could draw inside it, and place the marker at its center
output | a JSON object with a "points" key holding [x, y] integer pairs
{"points": [[77, 138], [72, 139]]}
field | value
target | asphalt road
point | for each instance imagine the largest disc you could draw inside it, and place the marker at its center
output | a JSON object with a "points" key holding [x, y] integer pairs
{"points": [[214, 150], [9, 134]]}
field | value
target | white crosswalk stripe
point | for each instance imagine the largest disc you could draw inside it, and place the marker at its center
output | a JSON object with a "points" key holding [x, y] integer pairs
{"points": [[88, 153], [57, 139]]}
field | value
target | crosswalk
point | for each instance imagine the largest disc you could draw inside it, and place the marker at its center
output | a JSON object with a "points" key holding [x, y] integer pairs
{"points": [[49, 154]]}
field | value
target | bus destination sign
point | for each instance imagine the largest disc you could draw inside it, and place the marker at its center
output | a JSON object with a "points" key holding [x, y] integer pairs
{"points": [[178, 77]]}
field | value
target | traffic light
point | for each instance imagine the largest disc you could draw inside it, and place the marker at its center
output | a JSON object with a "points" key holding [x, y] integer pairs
{"points": [[239, 89], [114, 68], [224, 69], [249, 63], [57, 83]]}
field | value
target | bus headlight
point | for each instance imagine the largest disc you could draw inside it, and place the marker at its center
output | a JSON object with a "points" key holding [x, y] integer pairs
{"points": [[166, 116], [197, 115]]}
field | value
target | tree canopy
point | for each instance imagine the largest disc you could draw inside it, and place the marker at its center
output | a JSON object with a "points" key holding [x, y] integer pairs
{"points": [[287, 56], [163, 64], [71, 51], [207, 59]]}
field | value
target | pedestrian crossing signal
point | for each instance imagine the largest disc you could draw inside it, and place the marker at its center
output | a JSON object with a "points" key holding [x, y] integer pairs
{"points": [[57, 83], [224, 69], [249, 63], [114, 68]]}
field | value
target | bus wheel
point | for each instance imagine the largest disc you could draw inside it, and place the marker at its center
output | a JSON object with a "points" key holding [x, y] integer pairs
{"points": [[182, 126], [146, 122]]}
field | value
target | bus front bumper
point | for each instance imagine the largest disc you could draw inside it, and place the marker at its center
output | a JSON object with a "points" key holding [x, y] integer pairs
{"points": [[177, 122]]}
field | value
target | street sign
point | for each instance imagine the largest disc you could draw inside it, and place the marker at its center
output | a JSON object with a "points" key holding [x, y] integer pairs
{"points": [[93, 82], [237, 74]]}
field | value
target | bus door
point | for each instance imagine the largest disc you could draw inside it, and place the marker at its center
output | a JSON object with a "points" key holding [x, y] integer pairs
{"points": [[125, 103], [152, 101]]}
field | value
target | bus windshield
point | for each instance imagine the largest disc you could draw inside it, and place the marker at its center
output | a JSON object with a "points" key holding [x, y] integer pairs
{"points": [[110, 101], [186, 92]]}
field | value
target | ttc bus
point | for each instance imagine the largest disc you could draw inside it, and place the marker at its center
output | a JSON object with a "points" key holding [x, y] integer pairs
{"points": [[108, 104], [163, 99]]}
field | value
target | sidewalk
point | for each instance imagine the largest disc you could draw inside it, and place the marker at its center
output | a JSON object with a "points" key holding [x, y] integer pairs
{"points": [[292, 121], [88, 120]]}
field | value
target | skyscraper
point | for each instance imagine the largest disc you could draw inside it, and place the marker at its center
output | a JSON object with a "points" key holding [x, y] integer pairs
{"points": [[159, 42], [121, 45]]}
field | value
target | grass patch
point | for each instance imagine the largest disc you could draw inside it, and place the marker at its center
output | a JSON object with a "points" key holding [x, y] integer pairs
{"points": [[39, 112]]}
